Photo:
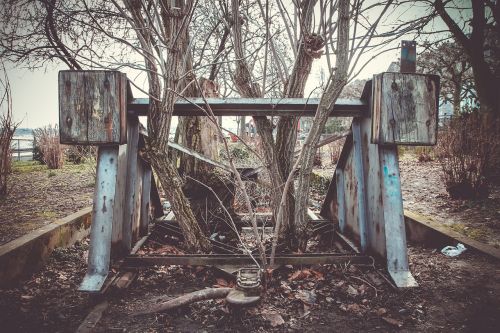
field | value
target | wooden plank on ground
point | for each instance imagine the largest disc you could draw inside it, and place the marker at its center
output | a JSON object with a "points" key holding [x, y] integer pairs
{"points": [[90, 322]]}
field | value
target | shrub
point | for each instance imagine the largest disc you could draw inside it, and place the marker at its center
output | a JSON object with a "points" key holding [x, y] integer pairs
{"points": [[334, 149], [79, 154], [424, 154], [47, 140], [464, 148], [7, 129]]}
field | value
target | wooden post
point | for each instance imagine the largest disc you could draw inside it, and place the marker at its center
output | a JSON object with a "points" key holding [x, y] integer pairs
{"points": [[92, 107], [145, 204], [118, 247], [102, 219], [405, 109], [138, 200], [359, 174], [155, 199], [340, 199], [129, 212]]}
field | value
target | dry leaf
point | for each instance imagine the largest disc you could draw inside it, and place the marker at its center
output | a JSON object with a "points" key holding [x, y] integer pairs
{"points": [[274, 318], [393, 321], [221, 282]]}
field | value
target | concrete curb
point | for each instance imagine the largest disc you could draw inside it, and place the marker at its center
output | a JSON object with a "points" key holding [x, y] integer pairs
{"points": [[421, 229], [24, 255]]}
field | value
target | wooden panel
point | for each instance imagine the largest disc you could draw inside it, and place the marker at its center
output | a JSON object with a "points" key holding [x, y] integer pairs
{"points": [[351, 197], [339, 179], [374, 209], [360, 184], [155, 199], [129, 213], [255, 107], [138, 201], [405, 109], [72, 110], [145, 204], [118, 248], [92, 107]]}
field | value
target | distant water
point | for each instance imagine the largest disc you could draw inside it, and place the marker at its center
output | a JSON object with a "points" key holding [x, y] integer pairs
{"points": [[23, 139]]}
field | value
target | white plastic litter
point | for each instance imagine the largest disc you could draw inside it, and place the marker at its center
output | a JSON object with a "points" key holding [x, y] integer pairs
{"points": [[453, 251]]}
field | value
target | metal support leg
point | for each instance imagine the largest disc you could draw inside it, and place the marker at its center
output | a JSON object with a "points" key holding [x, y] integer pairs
{"points": [[102, 220], [395, 236]]}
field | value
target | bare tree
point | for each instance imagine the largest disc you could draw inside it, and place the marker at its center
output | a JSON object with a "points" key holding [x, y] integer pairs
{"points": [[449, 62], [7, 129], [479, 39]]}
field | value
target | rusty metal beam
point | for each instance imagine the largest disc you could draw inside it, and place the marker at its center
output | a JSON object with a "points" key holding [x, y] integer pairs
{"points": [[255, 107], [231, 259]]}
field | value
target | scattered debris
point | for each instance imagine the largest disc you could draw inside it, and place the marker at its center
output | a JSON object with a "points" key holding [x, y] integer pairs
{"points": [[453, 251], [273, 317], [196, 296]]}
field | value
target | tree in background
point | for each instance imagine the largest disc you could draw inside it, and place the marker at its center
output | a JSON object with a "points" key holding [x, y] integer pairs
{"points": [[476, 29], [448, 60]]}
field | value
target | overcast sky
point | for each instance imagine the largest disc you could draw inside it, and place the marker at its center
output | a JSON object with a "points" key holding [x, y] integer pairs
{"points": [[35, 96]]}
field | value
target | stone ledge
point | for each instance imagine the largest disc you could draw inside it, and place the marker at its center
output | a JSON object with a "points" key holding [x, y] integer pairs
{"points": [[421, 229], [24, 255]]}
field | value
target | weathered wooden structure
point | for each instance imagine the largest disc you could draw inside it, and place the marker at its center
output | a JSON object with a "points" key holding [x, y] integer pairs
{"points": [[97, 108]]}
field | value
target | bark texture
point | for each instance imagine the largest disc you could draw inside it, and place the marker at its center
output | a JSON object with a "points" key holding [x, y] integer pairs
{"points": [[279, 155], [328, 99], [175, 22], [487, 83]]}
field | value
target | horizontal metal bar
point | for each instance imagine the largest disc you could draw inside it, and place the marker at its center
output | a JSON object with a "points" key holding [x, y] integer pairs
{"points": [[255, 107], [232, 259]]}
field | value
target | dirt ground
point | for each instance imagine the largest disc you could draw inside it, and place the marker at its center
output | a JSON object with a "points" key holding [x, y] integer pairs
{"points": [[424, 192], [37, 196], [455, 294]]}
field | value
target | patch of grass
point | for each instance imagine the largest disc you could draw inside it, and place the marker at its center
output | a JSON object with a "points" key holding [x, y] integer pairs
{"points": [[47, 214], [27, 166], [478, 233], [52, 174]]}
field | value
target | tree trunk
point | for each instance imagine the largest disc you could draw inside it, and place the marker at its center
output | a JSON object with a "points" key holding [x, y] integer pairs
{"points": [[162, 106], [331, 94], [242, 129], [487, 85], [279, 156], [457, 94], [201, 134]]}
